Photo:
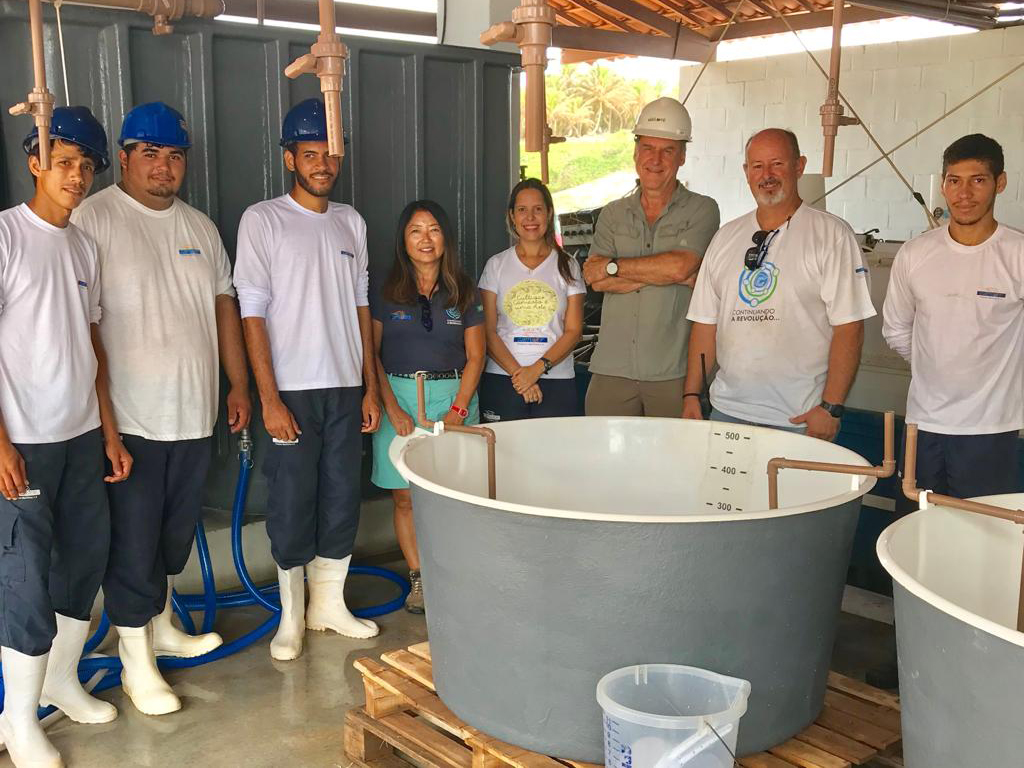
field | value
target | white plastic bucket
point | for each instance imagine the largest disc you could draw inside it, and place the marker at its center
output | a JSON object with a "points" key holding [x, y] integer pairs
{"points": [[667, 715]]}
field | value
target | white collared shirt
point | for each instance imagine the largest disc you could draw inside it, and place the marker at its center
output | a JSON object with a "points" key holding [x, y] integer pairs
{"points": [[956, 312]]}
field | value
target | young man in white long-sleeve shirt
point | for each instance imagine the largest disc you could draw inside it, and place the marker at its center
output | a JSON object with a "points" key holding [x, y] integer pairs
{"points": [[955, 310], [302, 278]]}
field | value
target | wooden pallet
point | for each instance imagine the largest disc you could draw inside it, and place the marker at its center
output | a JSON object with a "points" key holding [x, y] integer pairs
{"points": [[404, 722]]}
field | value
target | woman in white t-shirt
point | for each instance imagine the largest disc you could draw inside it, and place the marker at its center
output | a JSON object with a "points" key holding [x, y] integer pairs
{"points": [[533, 307]]}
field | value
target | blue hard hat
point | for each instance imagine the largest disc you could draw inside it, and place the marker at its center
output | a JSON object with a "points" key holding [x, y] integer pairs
{"points": [[155, 123], [78, 126], [306, 121]]}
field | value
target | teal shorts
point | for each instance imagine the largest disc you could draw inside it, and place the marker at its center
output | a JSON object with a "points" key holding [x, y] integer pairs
{"points": [[439, 394]]}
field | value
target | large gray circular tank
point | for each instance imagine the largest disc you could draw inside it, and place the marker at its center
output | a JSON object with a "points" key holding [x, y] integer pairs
{"points": [[956, 578], [619, 541]]}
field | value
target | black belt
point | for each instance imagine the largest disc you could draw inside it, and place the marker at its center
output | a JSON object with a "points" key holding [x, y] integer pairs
{"points": [[431, 375]]}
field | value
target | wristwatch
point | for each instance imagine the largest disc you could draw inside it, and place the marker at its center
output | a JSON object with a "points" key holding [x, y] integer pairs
{"points": [[612, 267], [835, 411], [547, 364], [460, 411]]}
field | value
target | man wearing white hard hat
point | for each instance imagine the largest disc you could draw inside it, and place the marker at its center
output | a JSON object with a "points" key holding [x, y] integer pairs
{"points": [[646, 251]]}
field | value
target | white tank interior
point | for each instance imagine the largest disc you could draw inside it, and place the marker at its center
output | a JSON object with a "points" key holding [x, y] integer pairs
{"points": [[635, 467], [963, 563]]}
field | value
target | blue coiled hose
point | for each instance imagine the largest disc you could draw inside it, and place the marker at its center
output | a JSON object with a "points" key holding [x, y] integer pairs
{"points": [[210, 601]]}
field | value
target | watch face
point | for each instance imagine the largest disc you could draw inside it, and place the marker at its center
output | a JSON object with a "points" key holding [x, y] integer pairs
{"points": [[612, 268]]}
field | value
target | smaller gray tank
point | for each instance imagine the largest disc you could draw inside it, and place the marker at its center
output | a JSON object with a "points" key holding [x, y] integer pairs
{"points": [[618, 541], [956, 579]]}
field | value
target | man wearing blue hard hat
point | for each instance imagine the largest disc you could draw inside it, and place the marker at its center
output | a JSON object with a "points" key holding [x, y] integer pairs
{"points": [[169, 313], [302, 276], [55, 421]]}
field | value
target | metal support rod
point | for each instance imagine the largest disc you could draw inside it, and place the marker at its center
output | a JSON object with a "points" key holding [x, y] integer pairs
{"points": [[326, 60], [484, 432], [914, 493], [887, 468], [39, 102]]}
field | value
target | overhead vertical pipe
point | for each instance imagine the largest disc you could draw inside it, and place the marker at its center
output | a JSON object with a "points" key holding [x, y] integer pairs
{"points": [[530, 29], [39, 102], [326, 60], [832, 110]]}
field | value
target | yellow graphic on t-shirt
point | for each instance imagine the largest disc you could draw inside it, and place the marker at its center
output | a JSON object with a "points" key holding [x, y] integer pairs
{"points": [[531, 304]]}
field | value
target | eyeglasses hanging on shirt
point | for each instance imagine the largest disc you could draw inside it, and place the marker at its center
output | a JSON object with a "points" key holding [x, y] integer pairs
{"points": [[758, 252], [426, 317]]}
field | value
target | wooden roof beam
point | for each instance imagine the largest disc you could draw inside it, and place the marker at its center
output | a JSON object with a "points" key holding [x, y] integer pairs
{"points": [[593, 8], [688, 47], [686, 13], [798, 21]]}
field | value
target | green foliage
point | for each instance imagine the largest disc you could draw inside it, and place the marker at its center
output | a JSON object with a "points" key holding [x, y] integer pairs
{"points": [[584, 99], [580, 160]]}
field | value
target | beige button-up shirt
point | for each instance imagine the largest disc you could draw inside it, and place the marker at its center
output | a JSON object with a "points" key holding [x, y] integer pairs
{"points": [[644, 333]]}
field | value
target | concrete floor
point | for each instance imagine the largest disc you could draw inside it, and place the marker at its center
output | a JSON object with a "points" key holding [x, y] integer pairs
{"points": [[248, 710]]}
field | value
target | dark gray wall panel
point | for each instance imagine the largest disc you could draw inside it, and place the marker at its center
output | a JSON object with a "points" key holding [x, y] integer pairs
{"points": [[422, 120], [495, 158], [384, 145]]}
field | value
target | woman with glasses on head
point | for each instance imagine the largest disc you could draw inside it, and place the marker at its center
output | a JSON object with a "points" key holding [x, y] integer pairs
{"points": [[533, 303], [426, 317]]}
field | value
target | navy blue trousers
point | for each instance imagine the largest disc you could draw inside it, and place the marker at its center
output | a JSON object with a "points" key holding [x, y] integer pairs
{"points": [[313, 498], [54, 545]]}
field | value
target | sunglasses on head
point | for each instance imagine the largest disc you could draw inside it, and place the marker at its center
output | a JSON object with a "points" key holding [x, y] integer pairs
{"points": [[426, 317]]}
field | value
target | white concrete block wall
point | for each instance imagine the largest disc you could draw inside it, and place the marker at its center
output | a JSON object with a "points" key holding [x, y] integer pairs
{"points": [[897, 88]]}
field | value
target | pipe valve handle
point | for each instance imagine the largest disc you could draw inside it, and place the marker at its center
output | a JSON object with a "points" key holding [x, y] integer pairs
{"points": [[304, 65]]}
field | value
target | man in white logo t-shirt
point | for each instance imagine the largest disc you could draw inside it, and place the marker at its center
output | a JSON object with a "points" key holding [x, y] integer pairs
{"points": [[780, 304], [955, 310], [302, 278], [54, 520], [168, 308]]}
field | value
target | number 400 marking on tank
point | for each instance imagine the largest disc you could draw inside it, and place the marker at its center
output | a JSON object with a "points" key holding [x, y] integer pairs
{"points": [[726, 482]]}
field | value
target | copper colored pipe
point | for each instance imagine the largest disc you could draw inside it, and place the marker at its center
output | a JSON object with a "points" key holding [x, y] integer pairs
{"points": [[832, 111], [530, 29], [162, 11], [326, 60], [913, 493], [484, 432], [886, 470], [39, 102]]}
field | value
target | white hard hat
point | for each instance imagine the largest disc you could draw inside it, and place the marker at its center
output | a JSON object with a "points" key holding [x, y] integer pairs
{"points": [[664, 118]]}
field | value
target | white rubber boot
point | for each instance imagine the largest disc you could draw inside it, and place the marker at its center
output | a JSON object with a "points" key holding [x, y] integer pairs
{"points": [[287, 642], [140, 678], [327, 608], [168, 640], [61, 687], [19, 724]]}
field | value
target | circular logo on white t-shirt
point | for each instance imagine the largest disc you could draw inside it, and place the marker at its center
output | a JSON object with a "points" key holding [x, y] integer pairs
{"points": [[531, 303], [757, 286]]}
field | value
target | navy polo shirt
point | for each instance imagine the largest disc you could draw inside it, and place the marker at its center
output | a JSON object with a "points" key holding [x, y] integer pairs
{"points": [[406, 346]]}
